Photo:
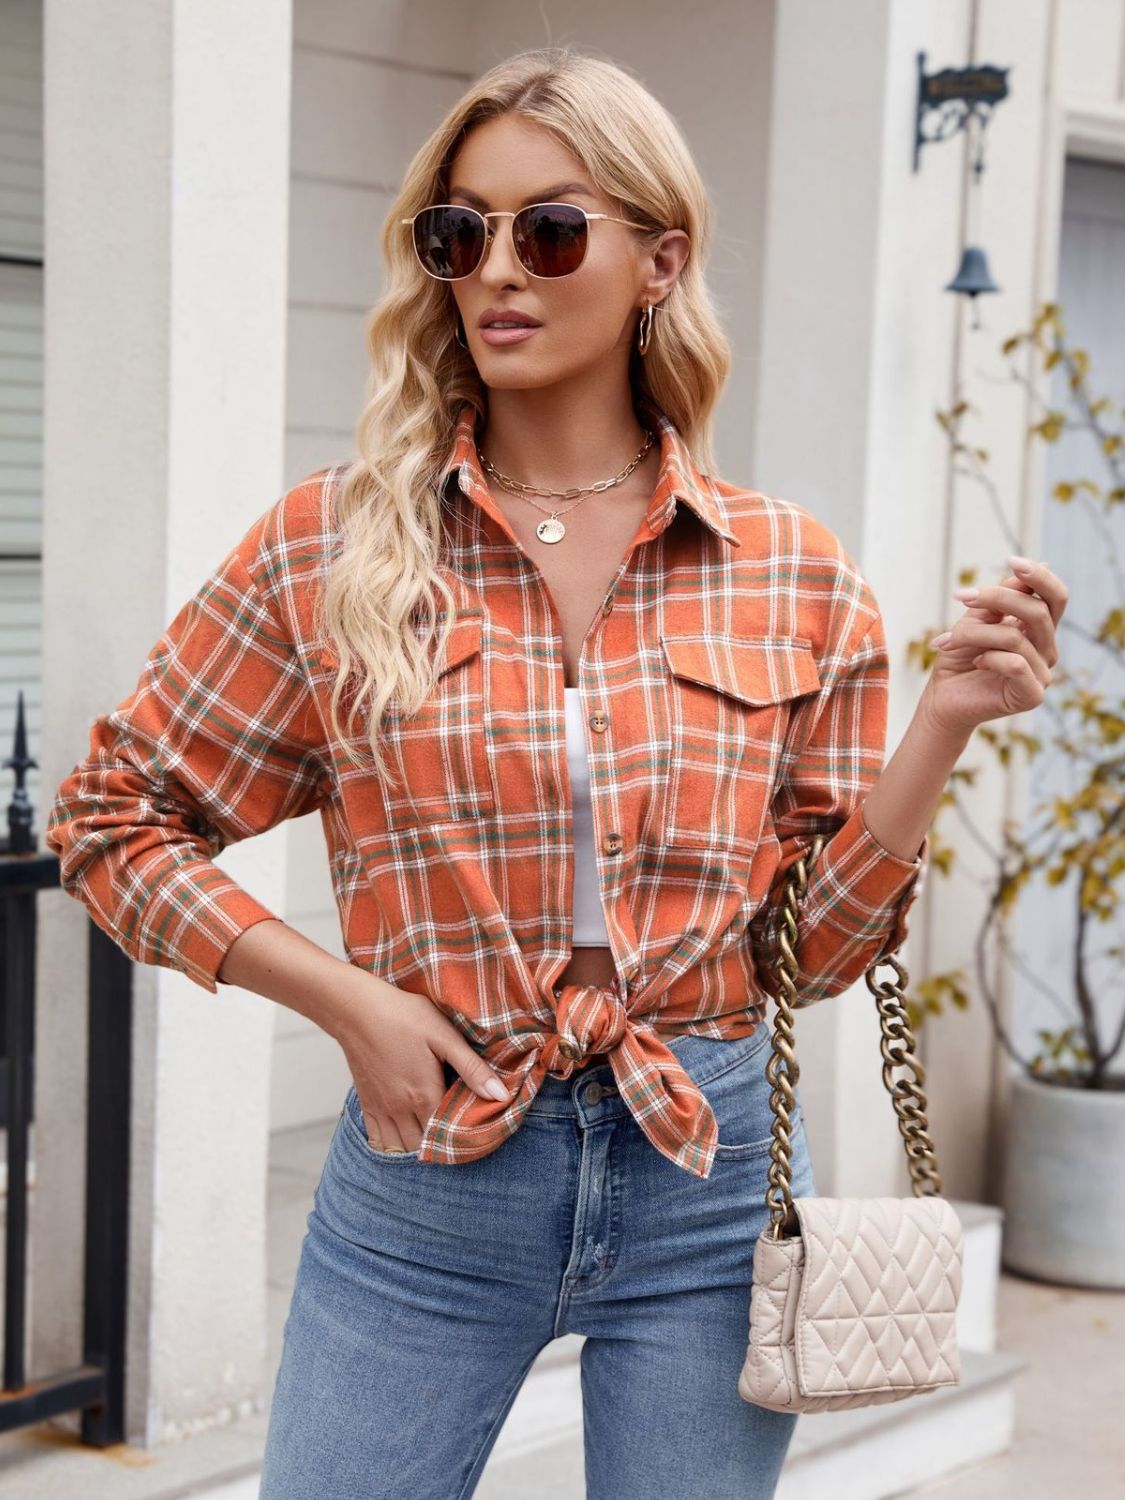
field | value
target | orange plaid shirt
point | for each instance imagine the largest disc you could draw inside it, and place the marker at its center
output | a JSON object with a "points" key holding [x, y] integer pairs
{"points": [[734, 685]]}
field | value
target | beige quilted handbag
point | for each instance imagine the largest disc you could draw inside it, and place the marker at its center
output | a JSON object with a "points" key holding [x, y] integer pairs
{"points": [[853, 1301]]}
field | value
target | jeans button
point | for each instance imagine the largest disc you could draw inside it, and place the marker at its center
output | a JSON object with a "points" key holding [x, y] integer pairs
{"points": [[593, 1093]]}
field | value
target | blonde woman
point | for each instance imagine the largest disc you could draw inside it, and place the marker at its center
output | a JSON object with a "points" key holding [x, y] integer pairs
{"points": [[569, 706]]}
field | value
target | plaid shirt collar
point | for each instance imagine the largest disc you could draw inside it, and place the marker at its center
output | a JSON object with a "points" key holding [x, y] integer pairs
{"points": [[677, 479]]}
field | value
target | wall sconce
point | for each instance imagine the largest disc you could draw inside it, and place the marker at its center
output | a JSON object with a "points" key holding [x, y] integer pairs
{"points": [[963, 99]]}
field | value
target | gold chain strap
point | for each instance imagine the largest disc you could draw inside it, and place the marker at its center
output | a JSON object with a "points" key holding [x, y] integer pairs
{"points": [[897, 1048]]}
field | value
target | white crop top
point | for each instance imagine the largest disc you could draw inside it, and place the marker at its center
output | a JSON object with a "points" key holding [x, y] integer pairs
{"points": [[589, 919]]}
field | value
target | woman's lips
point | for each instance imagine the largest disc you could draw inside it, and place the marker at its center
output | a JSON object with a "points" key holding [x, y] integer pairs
{"points": [[508, 335]]}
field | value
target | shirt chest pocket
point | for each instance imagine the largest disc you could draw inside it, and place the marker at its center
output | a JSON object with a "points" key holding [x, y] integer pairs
{"points": [[438, 760], [730, 699]]}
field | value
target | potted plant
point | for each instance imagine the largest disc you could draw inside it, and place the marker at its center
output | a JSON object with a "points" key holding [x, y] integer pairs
{"points": [[1063, 1181]]}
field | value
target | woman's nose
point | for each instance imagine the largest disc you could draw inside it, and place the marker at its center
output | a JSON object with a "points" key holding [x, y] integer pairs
{"points": [[509, 261]]}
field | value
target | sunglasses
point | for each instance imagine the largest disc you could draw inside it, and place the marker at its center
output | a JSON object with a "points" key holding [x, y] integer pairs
{"points": [[550, 239]]}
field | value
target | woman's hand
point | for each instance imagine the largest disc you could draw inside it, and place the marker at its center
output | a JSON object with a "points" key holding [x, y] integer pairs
{"points": [[997, 658], [395, 1042]]}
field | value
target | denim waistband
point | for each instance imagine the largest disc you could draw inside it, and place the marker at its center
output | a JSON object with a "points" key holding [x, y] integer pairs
{"points": [[701, 1057]]}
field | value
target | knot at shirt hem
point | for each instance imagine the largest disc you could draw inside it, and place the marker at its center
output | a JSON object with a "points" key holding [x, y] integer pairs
{"points": [[657, 1090], [589, 1018]]}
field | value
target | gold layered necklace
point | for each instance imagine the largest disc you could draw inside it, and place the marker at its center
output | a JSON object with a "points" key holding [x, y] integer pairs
{"points": [[552, 529]]}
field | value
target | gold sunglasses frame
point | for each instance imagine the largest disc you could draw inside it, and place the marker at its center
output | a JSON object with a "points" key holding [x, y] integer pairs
{"points": [[510, 213]]}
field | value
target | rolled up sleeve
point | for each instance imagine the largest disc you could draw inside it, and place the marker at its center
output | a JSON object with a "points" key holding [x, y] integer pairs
{"points": [[218, 741]]}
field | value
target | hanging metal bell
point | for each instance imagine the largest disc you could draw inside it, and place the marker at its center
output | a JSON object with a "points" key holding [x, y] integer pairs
{"points": [[973, 275]]}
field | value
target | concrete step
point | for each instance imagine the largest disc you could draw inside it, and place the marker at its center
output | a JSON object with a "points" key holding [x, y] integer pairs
{"points": [[981, 1225], [879, 1451]]}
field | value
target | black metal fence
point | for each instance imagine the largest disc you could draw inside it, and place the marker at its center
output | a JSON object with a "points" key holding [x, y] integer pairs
{"points": [[96, 1387]]}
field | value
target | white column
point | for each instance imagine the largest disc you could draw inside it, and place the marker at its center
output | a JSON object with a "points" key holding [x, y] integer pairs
{"points": [[167, 162]]}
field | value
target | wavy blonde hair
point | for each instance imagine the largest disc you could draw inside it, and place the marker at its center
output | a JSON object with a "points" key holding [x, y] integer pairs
{"points": [[386, 577]]}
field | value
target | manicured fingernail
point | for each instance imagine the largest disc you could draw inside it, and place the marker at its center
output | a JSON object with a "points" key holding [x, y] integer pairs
{"points": [[940, 640], [965, 593], [495, 1089], [1021, 564]]}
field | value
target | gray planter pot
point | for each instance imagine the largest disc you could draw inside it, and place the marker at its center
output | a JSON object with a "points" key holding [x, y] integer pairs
{"points": [[1063, 1191]]}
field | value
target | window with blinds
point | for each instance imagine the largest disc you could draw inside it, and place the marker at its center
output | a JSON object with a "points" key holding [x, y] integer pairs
{"points": [[21, 374]]}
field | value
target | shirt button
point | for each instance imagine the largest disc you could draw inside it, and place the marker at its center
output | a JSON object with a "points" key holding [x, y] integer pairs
{"points": [[599, 720], [612, 843], [607, 606]]}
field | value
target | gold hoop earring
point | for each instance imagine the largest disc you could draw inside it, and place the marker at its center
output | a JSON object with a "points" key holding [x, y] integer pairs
{"points": [[645, 328]]}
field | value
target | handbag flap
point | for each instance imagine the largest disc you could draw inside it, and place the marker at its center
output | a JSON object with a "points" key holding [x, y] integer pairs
{"points": [[877, 1308]]}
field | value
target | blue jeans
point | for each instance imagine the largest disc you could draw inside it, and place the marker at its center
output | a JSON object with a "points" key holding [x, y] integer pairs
{"points": [[425, 1291]]}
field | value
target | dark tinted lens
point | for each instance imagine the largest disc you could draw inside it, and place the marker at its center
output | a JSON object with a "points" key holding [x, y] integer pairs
{"points": [[550, 238], [449, 240]]}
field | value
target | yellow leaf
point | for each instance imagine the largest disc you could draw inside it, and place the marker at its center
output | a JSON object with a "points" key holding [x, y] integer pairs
{"points": [[1112, 628]]}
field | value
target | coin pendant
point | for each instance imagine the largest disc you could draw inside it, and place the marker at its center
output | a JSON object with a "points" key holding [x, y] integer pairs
{"points": [[550, 530]]}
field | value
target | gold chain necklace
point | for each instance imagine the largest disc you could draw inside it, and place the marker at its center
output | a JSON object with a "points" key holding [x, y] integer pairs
{"points": [[552, 529]]}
